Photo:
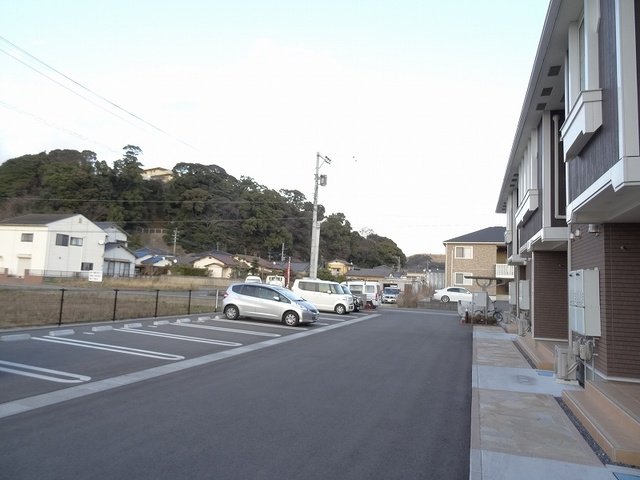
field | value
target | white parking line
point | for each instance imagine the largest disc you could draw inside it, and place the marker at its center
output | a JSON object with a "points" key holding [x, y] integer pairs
{"points": [[27, 371], [110, 348], [78, 391], [174, 336], [231, 330], [270, 325]]}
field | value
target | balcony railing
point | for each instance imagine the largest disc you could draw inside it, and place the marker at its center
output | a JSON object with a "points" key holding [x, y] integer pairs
{"points": [[504, 271]]}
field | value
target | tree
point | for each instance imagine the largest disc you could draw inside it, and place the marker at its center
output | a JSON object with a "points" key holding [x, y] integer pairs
{"points": [[335, 237], [130, 189], [208, 207]]}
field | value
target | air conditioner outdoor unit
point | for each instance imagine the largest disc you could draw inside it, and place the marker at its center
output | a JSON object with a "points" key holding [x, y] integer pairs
{"points": [[523, 326], [562, 367]]}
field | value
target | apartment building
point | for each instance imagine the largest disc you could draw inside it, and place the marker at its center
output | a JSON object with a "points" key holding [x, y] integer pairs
{"points": [[571, 195]]}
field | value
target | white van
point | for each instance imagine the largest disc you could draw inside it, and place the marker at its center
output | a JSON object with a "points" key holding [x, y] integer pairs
{"points": [[368, 291], [277, 280], [325, 295]]}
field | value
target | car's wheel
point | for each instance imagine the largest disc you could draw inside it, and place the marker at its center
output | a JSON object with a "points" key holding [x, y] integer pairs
{"points": [[444, 299], [291, 319], [340, 309], [231, 312]]}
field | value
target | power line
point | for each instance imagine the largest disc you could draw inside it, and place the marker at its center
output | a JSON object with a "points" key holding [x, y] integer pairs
{"points": [[65, 86], [55, 126], [87, 89]]}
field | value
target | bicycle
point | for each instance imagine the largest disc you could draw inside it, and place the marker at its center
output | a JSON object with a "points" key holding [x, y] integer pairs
{"points": [[492, 312]]}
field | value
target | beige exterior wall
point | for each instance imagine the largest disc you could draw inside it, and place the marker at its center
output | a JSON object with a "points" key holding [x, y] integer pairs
{"points": [[481, 262]]}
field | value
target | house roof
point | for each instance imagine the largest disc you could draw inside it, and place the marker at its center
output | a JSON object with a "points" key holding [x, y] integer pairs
{"points": [[113, 225], [262, 263], [155, 259], [116, 246], [296, 267], [379, 271], [141, 252], [37, 218], [224, 257], [486, 235]]}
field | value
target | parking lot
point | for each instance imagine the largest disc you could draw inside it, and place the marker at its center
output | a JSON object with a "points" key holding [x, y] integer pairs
{"points": [[50, 365]]}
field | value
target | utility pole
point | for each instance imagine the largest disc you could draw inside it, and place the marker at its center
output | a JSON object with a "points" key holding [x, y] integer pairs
{"points": [[315, 226], [175, 240]]}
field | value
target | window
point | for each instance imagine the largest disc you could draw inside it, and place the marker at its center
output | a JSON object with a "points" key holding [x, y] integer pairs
{"points": [[86, 267], [266, 293], [309, 286], [460, 280], [62, 240], [250, 290], [581, 64], [464, 252], [26, 237], [76, 242], [583, 95]]}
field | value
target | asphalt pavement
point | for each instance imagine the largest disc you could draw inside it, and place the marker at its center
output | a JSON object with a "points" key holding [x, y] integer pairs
{"points": [[379, 395]]}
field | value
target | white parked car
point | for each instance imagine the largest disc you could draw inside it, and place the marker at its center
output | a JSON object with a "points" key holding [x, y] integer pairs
{"points": [[454, 294], [325, 295]]}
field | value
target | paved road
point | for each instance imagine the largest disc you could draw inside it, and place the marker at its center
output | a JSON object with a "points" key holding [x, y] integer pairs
{"points": [[386, 397]]}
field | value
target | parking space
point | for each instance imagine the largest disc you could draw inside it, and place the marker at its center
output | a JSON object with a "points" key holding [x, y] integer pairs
{"points": [[41, 361]]}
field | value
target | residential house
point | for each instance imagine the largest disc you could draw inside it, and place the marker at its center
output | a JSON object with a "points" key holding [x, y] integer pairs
{"points": [[60, 245], [292, 269], [151, 259], [256, 265], [218, 264], [338, 267], [571, 195], [119, 261], [478, 262], [157, 173], [376, 274]]}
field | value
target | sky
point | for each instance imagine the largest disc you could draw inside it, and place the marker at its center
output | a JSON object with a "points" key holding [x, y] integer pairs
{"points": [[415, 102]]}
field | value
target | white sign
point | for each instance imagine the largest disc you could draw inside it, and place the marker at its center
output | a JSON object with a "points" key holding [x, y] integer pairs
{"points": [[95, 276]]}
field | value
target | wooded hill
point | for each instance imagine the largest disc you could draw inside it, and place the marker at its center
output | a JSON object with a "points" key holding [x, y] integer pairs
{"points": [[208, 208]]}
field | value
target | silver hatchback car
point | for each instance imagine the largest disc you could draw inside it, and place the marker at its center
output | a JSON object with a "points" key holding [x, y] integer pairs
{"points": [[267, 302]]}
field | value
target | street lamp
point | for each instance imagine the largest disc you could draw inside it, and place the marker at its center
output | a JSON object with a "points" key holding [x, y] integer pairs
{"points": [[315, 226]]}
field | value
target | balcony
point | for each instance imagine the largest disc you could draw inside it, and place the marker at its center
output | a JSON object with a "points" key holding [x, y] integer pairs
{"points": [[504, 271]]}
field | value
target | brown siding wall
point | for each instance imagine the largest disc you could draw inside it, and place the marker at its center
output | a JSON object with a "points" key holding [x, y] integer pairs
{"points": [[550, 306], [587, 251], [616, 253], [601, 153], [531, 226], [621, 300]]}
